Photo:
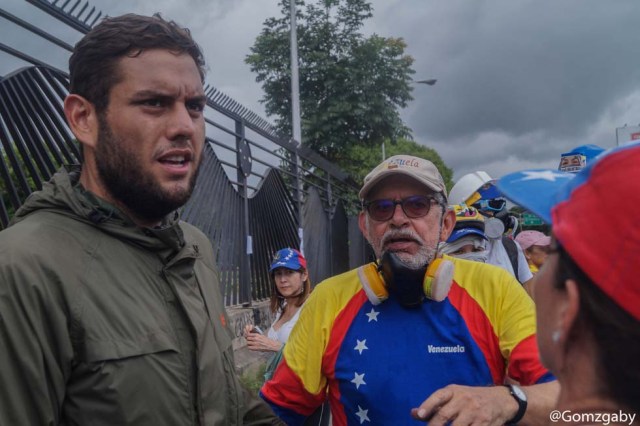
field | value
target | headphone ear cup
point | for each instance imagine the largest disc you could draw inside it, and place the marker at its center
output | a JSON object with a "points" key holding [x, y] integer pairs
{"points": [[438, 279], [372, 283], [493, 228]]}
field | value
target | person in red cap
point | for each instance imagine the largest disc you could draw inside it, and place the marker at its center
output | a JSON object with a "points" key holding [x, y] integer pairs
{"points": [[535, 246], [588, 293]]}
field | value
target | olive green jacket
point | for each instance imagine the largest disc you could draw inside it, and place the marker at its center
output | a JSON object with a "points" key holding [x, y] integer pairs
{"points": [[106, 323]]}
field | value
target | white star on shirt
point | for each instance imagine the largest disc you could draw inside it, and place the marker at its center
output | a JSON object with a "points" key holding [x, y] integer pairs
{"points": [[358, 379], [373, 315], [549, 175], [361, 346], [363, 415]]}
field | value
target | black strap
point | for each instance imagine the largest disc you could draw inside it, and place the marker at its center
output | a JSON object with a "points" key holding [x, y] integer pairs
{"points": [[512, 252], [522, 404]]}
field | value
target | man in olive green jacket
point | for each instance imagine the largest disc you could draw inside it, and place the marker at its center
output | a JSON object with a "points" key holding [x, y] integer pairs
{"points": [[110, 307]]}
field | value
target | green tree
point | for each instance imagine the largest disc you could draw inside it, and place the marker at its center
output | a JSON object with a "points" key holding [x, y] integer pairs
{"points": [[363, 159], [351, 86]]}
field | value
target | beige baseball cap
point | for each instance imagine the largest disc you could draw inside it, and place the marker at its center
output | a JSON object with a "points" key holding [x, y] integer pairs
{"points": [[424, 171]]}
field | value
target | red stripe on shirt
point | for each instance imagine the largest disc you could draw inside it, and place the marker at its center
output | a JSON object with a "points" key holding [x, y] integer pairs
{"points": [[525, 358], [287, 389], [480, 329]]}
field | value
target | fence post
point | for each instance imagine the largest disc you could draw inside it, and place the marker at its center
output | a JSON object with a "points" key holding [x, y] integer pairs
{"points": [[297, 168], [243, 167], [330, 212]]}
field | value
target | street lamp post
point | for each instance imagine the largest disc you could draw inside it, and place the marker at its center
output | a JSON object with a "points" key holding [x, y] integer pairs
{"points": [[295, 117], [429, 82]]}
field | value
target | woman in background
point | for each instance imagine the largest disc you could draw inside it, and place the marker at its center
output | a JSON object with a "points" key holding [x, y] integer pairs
{"points": [[535, 246], [290, 289]]}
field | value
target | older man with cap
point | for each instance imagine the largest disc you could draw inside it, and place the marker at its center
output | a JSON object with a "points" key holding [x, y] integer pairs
{"points": [[587, 293], [413, 336]]}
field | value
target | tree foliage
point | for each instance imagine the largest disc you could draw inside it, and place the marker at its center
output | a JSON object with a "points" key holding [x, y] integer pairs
{"points": [[351, 86], [364, 159]]}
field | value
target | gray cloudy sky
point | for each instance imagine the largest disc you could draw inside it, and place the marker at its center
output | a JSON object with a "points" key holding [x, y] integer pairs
{"points": [[519, 81]]}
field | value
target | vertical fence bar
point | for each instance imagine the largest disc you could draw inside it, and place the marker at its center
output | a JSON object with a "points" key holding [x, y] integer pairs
{"points": [[243, 165], [299, 199], [295, 115], [330, 221]]}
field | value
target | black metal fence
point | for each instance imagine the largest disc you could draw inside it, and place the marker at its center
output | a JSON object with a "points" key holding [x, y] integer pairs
{"points": [[257, 191]]}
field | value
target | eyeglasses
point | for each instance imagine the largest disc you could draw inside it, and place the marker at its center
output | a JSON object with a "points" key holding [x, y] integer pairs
{"points": [[495, 205], [414, 207]]}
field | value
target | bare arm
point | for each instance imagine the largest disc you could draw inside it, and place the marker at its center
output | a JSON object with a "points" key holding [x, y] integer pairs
{"points": [[259, 342], [492, 405], [542, 400], [528, 286]]}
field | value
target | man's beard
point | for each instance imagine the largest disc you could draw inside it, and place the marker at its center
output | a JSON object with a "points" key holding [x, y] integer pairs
{"points": [[422, 257], [120, 171]]}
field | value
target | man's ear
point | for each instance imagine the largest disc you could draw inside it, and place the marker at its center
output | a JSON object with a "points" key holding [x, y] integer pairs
{"points": [[362, 223], [448, 222], [82, 118]]}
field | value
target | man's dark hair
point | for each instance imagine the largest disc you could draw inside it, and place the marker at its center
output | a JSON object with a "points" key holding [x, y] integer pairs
{"points": [[93, 65], [615, 334]]}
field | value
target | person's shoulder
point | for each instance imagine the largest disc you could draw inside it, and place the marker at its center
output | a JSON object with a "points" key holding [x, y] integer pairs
{"points": [[339, 283], [193, 235], [472, 271], [42, 252], [191, 231], [492, 288], [337, 290], [42, 234], [328, 299], [483, 280]]}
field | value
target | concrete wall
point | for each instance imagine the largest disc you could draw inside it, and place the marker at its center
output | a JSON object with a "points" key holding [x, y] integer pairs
{"points": [[258, 314]]}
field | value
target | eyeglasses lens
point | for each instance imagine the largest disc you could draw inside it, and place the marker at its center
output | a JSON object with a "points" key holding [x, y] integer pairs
{"points": [[414, 207]]}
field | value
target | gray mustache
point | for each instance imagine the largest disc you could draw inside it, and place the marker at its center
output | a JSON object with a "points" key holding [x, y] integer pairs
{"points": [[402, 234]]}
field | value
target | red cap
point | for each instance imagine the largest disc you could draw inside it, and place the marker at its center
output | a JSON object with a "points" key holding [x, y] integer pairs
{"points": [[598, 228], [593, 217]]}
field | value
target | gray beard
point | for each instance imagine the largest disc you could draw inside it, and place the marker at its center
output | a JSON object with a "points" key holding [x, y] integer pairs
{"points": [[424, 255]]}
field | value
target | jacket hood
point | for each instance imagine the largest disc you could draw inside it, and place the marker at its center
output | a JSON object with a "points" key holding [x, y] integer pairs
{"points": [[63, 195]]}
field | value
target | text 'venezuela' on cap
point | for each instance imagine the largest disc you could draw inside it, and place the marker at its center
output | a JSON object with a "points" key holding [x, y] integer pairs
{"points": [[424, 171]]}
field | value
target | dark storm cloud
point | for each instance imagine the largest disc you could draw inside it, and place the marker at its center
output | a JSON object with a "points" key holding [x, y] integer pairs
{"points": [[527, 79], [521, 67]]}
